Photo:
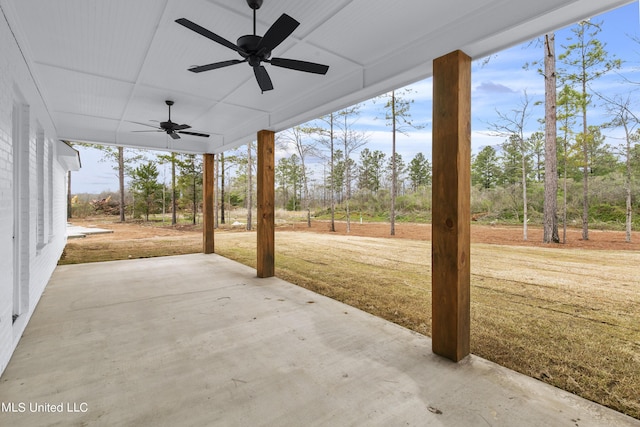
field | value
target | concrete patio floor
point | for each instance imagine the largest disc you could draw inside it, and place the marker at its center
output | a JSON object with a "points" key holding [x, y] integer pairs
{"points": [[77, 231], [199, 340]]}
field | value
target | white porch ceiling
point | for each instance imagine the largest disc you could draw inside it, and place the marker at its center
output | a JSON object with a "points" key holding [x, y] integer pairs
{"points": [[102, 64]]}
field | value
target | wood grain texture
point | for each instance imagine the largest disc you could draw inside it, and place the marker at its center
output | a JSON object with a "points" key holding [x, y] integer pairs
{"points": [[451, 205], [266, 199], [208, 197]]}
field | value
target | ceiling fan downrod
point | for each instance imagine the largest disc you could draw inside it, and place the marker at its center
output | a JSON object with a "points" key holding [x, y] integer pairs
{"points": [[255, 5], [169, 103]]}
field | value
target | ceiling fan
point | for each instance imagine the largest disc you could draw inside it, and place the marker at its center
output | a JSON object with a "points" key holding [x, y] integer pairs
{"points": [[172, 129], [255, 49]]}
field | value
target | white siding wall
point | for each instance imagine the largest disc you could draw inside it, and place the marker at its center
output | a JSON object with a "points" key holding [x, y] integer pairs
{"points": [[42, 224], [6, 205]]}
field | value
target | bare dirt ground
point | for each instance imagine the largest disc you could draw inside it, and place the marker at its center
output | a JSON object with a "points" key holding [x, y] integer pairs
{"points": [[131, 230], [500, 235]]}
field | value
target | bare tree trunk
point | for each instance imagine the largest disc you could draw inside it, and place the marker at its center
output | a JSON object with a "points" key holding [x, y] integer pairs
{"points": [[249, 188], [564, 197], [348, 211], [627, 184], [629, 215], [585, 172], [333, 190], [394, 175], [195, 200], [550, 152], [513, 127], [121, 181], [174, 203], [216, 192], [347, 179], [69, 206], [305, 180], [222, 189], [306, 196], [525, 218]]}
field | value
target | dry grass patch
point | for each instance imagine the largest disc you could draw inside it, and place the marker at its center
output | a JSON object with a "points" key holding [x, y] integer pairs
{"points": [[570, 318], [98, 250]]}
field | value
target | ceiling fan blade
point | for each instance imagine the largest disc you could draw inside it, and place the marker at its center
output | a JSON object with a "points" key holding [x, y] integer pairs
{"points": [[208, 34], [159, 130], [181, 127], [294, 64], [280, 30], [215, 65], [264, 81], [204, 135], [174, 135]]}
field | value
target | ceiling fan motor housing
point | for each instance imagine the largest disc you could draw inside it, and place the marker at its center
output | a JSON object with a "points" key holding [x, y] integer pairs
{"points": [[249, 44], [254, 4]]}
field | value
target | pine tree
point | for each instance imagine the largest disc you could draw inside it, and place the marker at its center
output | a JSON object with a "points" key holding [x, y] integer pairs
{"points": [[567, 108], [587, 60], [419, 171], [398, 115], [485, 170], [370, 170], [145, 185], [190, 181]]}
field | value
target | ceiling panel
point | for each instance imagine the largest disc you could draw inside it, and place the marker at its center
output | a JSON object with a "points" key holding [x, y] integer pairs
{"points": [[83, 94], [218, 118], [105, 38], [101, 65], [310, 14], [84, 128], [376, 33]]}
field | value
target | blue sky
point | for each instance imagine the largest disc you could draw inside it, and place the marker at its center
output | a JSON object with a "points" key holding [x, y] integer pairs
{"points": [[497, 85]]}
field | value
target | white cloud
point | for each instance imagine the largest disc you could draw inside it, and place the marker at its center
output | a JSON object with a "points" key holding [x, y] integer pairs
{"points": [[493, 88]]}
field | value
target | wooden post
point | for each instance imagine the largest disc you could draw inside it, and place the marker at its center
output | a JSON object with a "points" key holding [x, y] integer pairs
{"points": [[451, 206], [208, 179], [266, 202]]}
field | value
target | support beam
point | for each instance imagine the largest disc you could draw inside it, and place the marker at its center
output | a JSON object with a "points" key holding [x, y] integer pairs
{"points": [[208, 180], [451, 205], [266, 203]]}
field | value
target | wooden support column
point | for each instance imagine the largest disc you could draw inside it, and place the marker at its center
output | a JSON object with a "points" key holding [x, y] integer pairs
{"points": [[266, 203], [451, 206], [208, 209]]}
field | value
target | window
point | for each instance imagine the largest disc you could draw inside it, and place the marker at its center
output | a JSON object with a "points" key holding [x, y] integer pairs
{"points": [[21, 195], [40, 187]]}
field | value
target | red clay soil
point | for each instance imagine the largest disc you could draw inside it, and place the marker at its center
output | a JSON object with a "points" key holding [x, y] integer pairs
{"points": [[499, 235]]}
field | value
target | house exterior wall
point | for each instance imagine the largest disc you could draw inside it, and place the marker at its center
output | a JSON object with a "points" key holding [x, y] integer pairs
{"points": [[32, 196]]}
